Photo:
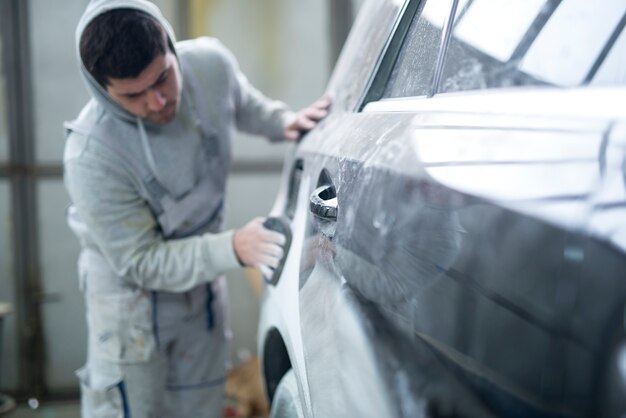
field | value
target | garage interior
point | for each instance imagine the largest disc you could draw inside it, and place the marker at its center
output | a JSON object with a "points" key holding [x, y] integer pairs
{"points": [[287, 49]]}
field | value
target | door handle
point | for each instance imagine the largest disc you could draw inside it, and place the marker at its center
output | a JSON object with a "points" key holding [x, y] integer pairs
{"points": [[323, 203]]}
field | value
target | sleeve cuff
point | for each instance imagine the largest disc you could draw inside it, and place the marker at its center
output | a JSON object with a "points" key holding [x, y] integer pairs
{"points": [[221, 251], [286, 117]]}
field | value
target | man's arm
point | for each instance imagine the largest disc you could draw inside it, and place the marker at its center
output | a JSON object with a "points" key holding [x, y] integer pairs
{"points": [[306, 119], [123, 228]]}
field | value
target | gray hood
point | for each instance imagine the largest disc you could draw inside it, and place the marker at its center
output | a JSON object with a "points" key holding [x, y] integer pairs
{"points": [[95, 8]]}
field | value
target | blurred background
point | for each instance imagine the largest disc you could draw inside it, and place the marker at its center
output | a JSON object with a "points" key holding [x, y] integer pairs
{"points": [[287, 49]]}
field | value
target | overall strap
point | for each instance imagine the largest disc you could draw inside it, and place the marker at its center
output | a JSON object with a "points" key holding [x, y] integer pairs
{"points": [[154, 191]]}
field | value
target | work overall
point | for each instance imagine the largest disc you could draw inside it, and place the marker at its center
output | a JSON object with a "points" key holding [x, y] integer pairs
{"points": [[155, 353]]}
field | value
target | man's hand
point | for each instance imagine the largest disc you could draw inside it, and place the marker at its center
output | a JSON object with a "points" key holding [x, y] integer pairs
{"points": [[307, 118], [257, 246]]}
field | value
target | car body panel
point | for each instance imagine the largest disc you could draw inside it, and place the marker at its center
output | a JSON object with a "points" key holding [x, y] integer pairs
{"points": [[476, 265]]}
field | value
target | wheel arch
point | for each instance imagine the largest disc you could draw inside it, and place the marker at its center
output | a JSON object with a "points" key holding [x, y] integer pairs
{"points": [[276, 362], [614, 339]]}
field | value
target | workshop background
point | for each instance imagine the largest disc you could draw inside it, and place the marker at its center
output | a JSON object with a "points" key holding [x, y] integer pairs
{"points": [[286, 48]]}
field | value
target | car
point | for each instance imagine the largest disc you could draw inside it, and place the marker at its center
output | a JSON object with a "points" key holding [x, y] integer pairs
{"points": [[457, 224]]}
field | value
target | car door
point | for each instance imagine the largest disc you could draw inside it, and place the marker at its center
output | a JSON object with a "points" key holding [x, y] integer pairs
{"points": [[443, 257], [371, 219], [368, 37], [543, 309]]}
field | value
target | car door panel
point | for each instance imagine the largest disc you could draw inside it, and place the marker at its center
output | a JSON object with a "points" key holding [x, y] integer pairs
{"points": [[513, 258], [486, 270], [474, 267], [356, 227]]}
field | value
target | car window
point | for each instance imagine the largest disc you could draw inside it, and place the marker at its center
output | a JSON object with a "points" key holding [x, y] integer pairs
{"points": [[613, 69], [410, 58], [484, 44], [508, 43], [572, 40], [414, 68], [496, 27]]}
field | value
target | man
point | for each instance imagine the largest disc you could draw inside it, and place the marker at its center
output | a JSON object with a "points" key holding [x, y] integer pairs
{"points": [[145, 166]]}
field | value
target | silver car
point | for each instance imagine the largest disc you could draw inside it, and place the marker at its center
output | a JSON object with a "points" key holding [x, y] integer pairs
{"points": [[457, 225]]}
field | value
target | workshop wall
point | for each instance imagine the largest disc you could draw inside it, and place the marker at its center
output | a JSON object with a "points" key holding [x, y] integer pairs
{"points": [[281, 46]]}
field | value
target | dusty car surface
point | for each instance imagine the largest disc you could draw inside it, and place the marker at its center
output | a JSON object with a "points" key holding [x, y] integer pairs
{"points": [[457, 225]]}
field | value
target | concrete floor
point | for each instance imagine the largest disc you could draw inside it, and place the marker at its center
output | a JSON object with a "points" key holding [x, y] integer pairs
{"points": [[49, 410]]}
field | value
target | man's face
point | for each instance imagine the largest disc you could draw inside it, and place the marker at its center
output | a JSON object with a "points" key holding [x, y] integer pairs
{"points": [[154, 94]]}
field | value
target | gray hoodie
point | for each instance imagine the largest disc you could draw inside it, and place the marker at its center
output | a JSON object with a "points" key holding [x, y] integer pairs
{"points": [[147, 199]]}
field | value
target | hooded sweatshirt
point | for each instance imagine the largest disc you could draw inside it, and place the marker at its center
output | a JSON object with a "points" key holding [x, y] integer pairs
{"points": [[147, 199]]}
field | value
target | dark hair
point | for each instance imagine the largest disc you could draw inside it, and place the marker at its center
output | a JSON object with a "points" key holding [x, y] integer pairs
{"points": [[121, 43]]}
